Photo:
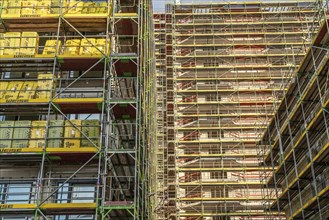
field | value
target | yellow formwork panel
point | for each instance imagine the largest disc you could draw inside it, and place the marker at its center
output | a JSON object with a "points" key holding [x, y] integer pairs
{"points": [[45, 76], [3, 88], [21, 134], [68, 206], [13, 89], [29, 43], [56, 6], [50, 150], [50, 47], [102, 8], [55, 134], [72, 47], [89, 8], [11, 8], [12, 41], [71, 134], [38, 133], [74, 7], [43, 90], [6, 133], [44, 86], [11, 96], [101, 45], [28, 8], [17, 206], [28, 91], [2, 43], [87, 48], [43, 7]]}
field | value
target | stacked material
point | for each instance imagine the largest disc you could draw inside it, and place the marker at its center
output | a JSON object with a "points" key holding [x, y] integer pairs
{"points": [[43, 7], [12, 90], [2, 43], [6, 133], [28, 8], [38, 134], [61, 134], [29, 43], [21, 134], [86, 47], [44, 86], [72, 133], [50, 47], [72, 47], [90, 129], [12, 41], [16, 43], [37, 8], [55, 134], [27, 91], [11, 8]]}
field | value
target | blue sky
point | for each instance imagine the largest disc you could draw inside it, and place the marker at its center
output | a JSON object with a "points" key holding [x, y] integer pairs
{"points": [[158, 5]]}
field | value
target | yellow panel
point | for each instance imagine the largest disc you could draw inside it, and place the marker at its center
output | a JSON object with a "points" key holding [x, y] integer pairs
{"points": [[38, 132], [126, 15], [87, 47], [17, 206], [41, 94], [71, 134], [55, 134], [28, 8], [22, 131], [12, 42], [29, 43], [48, 150], [69, 206], [78, 100], [44, 86], [3, 88], [28, 91], [45, 76], [55, 6], [72, 150], [15, 85], [2, 43], [101, 45], [74, 7], [11, 8], [102, 8], [43, 7], [72, 47], [6, 133], [89, 8], [11, 96], [50, 47]]}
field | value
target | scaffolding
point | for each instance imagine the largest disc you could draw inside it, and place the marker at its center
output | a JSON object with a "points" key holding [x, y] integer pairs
{"points": [[296, 142], [159, 187], [227, 68], [75, 78]]}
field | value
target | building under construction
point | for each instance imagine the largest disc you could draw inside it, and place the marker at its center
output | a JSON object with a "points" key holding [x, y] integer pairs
{"points": [[72, 105], [223, 69], [208, 111], [296, 143]]}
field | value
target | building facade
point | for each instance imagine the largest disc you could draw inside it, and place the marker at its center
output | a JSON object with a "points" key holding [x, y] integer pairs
{"points": [[296, 143], [228, 65], [74, 79]]}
